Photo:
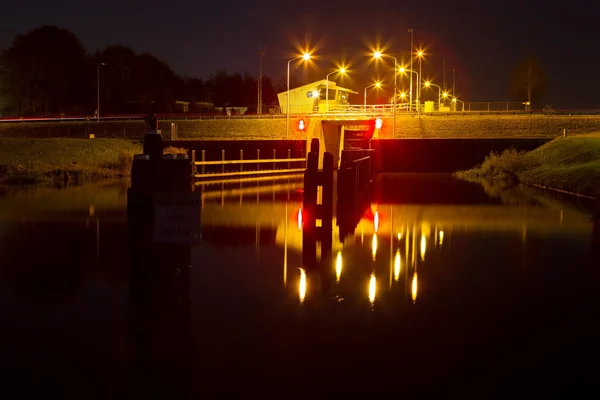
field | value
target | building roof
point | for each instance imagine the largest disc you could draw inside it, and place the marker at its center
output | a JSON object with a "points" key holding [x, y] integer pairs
{"points": [[323, 83]]}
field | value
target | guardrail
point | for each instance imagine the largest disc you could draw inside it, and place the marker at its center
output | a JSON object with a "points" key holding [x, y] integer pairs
{"points": [[340, 111], [274, 163]]}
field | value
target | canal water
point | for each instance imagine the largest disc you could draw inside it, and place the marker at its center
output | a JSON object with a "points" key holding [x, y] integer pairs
{"points": [[443, 287]]}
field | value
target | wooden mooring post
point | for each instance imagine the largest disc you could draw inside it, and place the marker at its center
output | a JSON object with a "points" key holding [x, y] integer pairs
{"points": [[163, 215], [317, 215]]}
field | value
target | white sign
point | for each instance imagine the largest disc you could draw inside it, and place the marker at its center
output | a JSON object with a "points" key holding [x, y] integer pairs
{"points": [[177, 217]]}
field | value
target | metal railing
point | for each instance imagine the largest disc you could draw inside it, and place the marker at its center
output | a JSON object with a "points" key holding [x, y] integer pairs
{"points": [[274, 164]]}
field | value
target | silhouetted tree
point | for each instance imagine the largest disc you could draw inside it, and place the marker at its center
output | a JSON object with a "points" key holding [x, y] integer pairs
{"points": [[529, 81], [47, 71], [44, 71]]}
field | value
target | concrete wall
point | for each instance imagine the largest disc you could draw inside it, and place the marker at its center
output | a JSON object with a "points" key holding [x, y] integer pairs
{"points": [[392, 155], [441, 155]]}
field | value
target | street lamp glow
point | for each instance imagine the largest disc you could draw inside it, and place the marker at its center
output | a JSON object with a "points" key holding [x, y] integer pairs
{"points": [[427, 83], [420, 53], [304, 57], [445, 94], [377, 55], [376, 85], [341, 71]]}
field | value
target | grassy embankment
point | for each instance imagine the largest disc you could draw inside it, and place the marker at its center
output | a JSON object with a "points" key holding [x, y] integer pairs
{"points": [[566, 163], [49, 160]]}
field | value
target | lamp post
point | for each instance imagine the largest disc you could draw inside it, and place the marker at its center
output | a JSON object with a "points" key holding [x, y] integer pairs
{"points": [[305, 57], [428, 84], [412, 33], [341, 71], [377, 85], [454, 100], [403, 70], [378, 55], [98, 92], [420, 54]]}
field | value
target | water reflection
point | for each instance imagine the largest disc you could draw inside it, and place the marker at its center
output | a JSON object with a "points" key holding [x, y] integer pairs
{"points": [[372, 288], [57, 275], [397, 262], [338, 266], [302, 285]]}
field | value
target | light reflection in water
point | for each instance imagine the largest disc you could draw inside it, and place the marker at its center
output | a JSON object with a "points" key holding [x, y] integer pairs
{"points": [[376, 221], [414, 287], [299, 219], [374, 246], [423, 247], [302, 285], [441, 237], [397, 266], [372, 288], [338, 266]]}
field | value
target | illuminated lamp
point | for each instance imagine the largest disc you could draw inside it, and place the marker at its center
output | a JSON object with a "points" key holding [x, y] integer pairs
{"points": [[378, 123]]}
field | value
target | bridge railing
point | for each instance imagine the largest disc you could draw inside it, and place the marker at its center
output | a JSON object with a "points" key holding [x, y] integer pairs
{"points": [[258, 166]]}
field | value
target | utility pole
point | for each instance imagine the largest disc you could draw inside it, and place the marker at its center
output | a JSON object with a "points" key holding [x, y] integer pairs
{"points": [[444, 80], [261, 53], [453, 82], [410, 95]]}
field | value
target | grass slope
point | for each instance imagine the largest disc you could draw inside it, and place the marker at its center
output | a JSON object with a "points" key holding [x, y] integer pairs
{"points": [[39, 160], [571, 163]]}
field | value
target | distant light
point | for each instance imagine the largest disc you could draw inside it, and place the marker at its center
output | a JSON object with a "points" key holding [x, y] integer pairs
{"points": [[342, 70], [402, 69], [445, 94], [427, 84], [378, 125], [377, 54], [306, 56], [378, 84]]}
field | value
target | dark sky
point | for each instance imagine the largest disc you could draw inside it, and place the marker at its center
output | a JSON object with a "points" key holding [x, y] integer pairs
{"points": [[482, 40]]}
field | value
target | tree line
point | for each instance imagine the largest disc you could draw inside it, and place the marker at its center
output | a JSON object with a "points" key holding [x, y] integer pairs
{"points": [[47, 71]]}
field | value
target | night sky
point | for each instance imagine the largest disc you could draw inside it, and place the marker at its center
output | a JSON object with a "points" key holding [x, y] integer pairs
{"points": [[481, 40]]}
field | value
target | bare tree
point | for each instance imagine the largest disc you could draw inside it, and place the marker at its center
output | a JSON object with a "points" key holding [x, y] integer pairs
{"points": [[529, 81]]}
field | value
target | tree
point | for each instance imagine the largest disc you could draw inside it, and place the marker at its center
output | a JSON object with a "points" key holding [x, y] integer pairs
{"points": [[44, 71], [529, 81]]}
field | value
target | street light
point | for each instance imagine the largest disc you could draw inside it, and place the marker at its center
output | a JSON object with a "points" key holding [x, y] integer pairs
{"points": [[403, 70], [98, 92], [377, 55], [420, 54], [304, 57], [428, 84], [341, 71], [377, 85], [454, 100]]}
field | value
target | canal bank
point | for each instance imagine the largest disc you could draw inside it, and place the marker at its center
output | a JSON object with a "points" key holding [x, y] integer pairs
{"points": [[570, 164]]}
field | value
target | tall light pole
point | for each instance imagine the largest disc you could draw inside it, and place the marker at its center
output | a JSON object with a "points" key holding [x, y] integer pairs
{"points": [[305, 57], [453, 81], [98, 92], [377, 85], [341, 71], [420, 54], [411, 67], [261, 53], [403, 70], [428, 84], [378, 55]]}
